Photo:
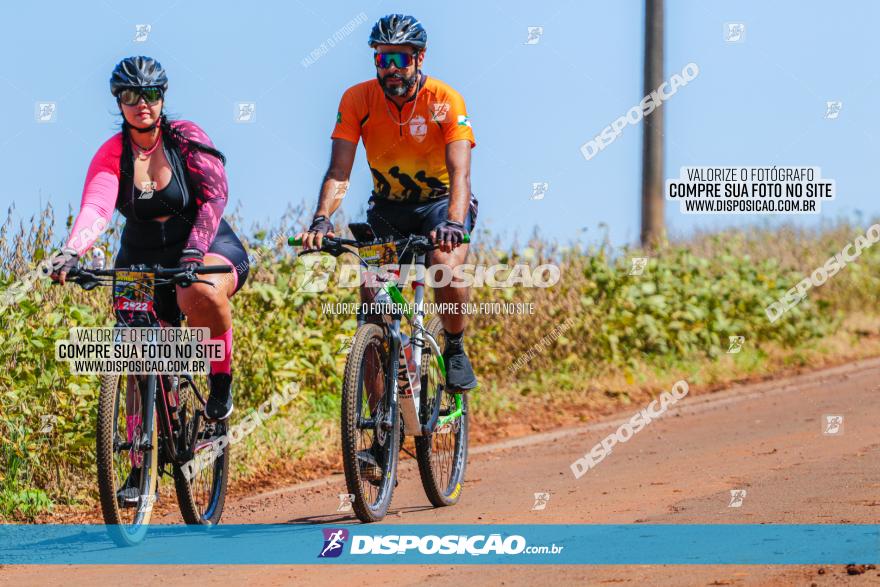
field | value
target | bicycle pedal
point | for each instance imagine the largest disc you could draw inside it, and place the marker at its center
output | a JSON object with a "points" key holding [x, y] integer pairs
{"points": [[462, 391], [134, 500]]}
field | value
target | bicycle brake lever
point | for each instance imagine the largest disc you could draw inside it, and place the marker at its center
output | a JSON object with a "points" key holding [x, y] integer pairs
{"points": [[334, 250], [187, 278], [84, 280], [190, 278]]}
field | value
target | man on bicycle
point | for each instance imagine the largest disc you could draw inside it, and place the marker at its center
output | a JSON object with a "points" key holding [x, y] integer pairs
{"points": [[418, 140]]}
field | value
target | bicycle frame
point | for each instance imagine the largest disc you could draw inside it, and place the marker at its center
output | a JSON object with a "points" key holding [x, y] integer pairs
{"points": [[410, 409], [165, 436], [158, 407], [156, 398]]}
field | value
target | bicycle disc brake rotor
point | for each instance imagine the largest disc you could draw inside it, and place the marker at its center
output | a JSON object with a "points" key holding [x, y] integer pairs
{"points": [[136, 456], [381, 435]]}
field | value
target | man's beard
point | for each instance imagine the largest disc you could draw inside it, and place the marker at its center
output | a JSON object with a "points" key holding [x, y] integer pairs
{"points": [[401, 90]]}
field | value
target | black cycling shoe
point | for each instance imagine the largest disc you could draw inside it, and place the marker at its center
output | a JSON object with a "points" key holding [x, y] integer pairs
{"points": [[459, 373], [219, 404], [129, 493]]}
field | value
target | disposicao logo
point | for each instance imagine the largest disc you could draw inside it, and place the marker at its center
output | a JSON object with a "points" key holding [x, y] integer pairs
{"points": [[334, 540]]}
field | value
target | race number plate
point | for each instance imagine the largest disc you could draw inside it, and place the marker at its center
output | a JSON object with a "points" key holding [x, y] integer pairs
{"points": [[378, 255], [133, 291]]}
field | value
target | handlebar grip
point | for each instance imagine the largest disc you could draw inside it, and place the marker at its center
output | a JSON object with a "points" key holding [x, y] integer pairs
{"points": [[297, 242], [214, 269]]}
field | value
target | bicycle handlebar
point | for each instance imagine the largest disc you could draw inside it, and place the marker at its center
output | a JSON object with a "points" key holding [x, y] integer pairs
{"points": [[157, 270], [173, 275], [332, 244]]}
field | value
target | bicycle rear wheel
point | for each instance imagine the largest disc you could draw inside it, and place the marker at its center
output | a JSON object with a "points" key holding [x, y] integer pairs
{"points": [[127, 447], [370, 429], [201, 482], [442, 453]]}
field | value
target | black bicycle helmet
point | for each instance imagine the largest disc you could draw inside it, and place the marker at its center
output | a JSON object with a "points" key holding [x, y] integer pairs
{"points": [[138, 72], [398, 29]]}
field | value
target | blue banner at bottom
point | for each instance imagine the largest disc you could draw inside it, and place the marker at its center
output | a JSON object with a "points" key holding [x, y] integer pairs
{"points": [[646, 544]]}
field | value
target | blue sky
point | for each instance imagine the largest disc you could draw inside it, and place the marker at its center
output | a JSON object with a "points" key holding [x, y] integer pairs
{"points": [[759, 102]]}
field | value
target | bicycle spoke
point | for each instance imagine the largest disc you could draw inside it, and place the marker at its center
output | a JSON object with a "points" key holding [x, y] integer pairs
{"points": [[129, 432], [442, 454], [201, 483], [369, 443]]}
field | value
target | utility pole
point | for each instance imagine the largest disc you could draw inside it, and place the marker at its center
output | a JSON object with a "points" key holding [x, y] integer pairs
{"points": [[653, 231]]}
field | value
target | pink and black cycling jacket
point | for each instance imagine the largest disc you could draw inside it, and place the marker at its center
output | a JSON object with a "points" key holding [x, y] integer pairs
{"points": [[101, 193]]}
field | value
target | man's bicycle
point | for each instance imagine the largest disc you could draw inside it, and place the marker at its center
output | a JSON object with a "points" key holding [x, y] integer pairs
{"points": [[152, 425], [395, 385]]}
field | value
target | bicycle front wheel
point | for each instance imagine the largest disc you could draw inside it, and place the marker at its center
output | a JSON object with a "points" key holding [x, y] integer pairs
{"points": [[201, 482], [442, 452], [127, 455], [370, 424]]}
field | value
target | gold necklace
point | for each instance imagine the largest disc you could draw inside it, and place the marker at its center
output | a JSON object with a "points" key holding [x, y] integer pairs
{"points": [[415, 101]]}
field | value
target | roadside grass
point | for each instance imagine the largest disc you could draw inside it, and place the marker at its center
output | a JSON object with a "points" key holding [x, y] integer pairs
{"points": [[626, 338]]}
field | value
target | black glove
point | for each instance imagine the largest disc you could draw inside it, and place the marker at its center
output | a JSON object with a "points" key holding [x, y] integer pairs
{"points": [[322, 225], [64, 263], [191, 259], [449, 231]]}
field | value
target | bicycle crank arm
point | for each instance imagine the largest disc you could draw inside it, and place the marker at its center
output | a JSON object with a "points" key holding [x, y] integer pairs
{"points": [[190, 448]]}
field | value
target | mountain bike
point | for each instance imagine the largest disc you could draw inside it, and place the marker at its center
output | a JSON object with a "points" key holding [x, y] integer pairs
{"points": [[395, 385], [154, 424]]}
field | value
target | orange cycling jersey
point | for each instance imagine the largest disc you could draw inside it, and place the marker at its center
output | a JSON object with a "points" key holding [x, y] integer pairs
{"points": [[406, 148]]}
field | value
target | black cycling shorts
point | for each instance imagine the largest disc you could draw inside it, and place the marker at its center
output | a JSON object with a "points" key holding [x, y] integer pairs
{"points": [[169, 240], [401, 219]]}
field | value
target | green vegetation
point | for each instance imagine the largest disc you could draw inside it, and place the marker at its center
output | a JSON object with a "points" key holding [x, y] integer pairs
{"points": [[680, 312]]}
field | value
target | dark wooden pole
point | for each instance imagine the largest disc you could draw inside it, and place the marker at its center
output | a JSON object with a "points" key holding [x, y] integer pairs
{"points": [[653, 230]]}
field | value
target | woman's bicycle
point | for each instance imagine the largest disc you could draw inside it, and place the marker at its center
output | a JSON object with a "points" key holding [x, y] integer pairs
{"points": [[394, 385], [154, 424]]}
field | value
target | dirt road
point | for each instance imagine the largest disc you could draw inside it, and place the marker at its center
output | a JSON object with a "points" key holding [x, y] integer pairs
{"points": [[766, 439]]}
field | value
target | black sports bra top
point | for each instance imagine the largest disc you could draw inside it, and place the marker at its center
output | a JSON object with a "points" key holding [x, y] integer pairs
{"points": [[168, 201]]}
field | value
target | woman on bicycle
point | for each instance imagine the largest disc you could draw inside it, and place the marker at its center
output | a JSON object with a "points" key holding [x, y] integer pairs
{"points": [[167, 179]]}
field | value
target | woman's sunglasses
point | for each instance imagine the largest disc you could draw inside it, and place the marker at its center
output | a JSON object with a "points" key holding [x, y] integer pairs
{"points": [[132, 97], [398, 60]]}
